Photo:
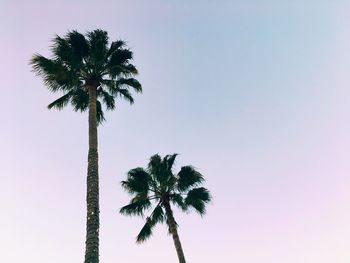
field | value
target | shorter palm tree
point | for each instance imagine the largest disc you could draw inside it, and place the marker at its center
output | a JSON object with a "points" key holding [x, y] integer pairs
{"points": [[158, 184]]}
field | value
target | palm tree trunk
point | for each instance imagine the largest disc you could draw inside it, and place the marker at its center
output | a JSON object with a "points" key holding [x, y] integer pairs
{"points": [[92, 197], [173, 231]]}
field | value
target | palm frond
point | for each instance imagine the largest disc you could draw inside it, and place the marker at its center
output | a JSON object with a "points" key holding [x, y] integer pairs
{"points": [[169, 161], [136, 207], [126, 95], [138, 181], [99, 112], [70, 50], [106, 98], [129, 82], [171, 183], [78, 43], [164, 174], [154, 164], [127, 70], [178, 200], [188, 177], [161, 170], [55, 75], [115, 45], [61, 102], [80, 100], [62, 50], [157, 216], [198, 198], [120, 57], [98, 46], [145, 233], [120, 88]]}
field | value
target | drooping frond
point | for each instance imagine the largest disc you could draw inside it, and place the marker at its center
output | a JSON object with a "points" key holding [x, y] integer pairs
{"points": [[137, 207], [108, 99], [197, 198], [137, 182], [131, 82], [188, 177], [120, 88], [126, 95], [99, 112], [146, 232], [127, 70], [119, 61], [157, 216], [178, 200], [80, 100], [61, 102]]}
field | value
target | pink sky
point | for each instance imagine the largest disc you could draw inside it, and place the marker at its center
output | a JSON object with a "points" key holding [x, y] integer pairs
{"points": [[256, 96]]}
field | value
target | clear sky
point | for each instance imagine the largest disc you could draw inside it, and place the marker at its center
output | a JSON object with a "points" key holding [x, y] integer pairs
{"points": [[255, 94]]}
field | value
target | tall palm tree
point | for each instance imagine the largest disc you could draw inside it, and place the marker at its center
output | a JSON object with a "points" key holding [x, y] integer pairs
{"points": [[160, 185], [88, 71]]}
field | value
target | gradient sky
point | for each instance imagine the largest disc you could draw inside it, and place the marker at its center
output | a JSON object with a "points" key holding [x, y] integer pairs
{"points": [[255, 94]]}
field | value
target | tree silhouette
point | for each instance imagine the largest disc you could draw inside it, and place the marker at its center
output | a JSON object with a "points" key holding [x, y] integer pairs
{"points": [[159, 185], [89, 72]]}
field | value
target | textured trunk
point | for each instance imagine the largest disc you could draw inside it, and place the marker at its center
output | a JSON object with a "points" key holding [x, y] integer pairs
{"points": [[173, 231], [92, 197]]}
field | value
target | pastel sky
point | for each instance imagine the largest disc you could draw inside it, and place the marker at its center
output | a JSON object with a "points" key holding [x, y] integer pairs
{"points": [[255, 94]]}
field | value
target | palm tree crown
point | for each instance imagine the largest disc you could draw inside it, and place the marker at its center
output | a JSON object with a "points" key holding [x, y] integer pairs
{"points": [[79, 62], [160, 185]]}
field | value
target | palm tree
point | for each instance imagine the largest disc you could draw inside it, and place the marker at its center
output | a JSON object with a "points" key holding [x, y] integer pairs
{"points": [[88, 71], [158, 184]]}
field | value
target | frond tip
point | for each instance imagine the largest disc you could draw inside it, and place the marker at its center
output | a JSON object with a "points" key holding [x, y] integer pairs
{"points": [[60, 102], [136, 207], [197, 198], [145, 233], [157, 216]]}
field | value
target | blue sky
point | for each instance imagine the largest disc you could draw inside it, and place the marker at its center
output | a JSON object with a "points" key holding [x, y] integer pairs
{"points": [[254, 94]]}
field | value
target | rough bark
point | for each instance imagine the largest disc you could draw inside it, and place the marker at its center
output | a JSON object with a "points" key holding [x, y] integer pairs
{"points": [[173, 230], [92, 197]]}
